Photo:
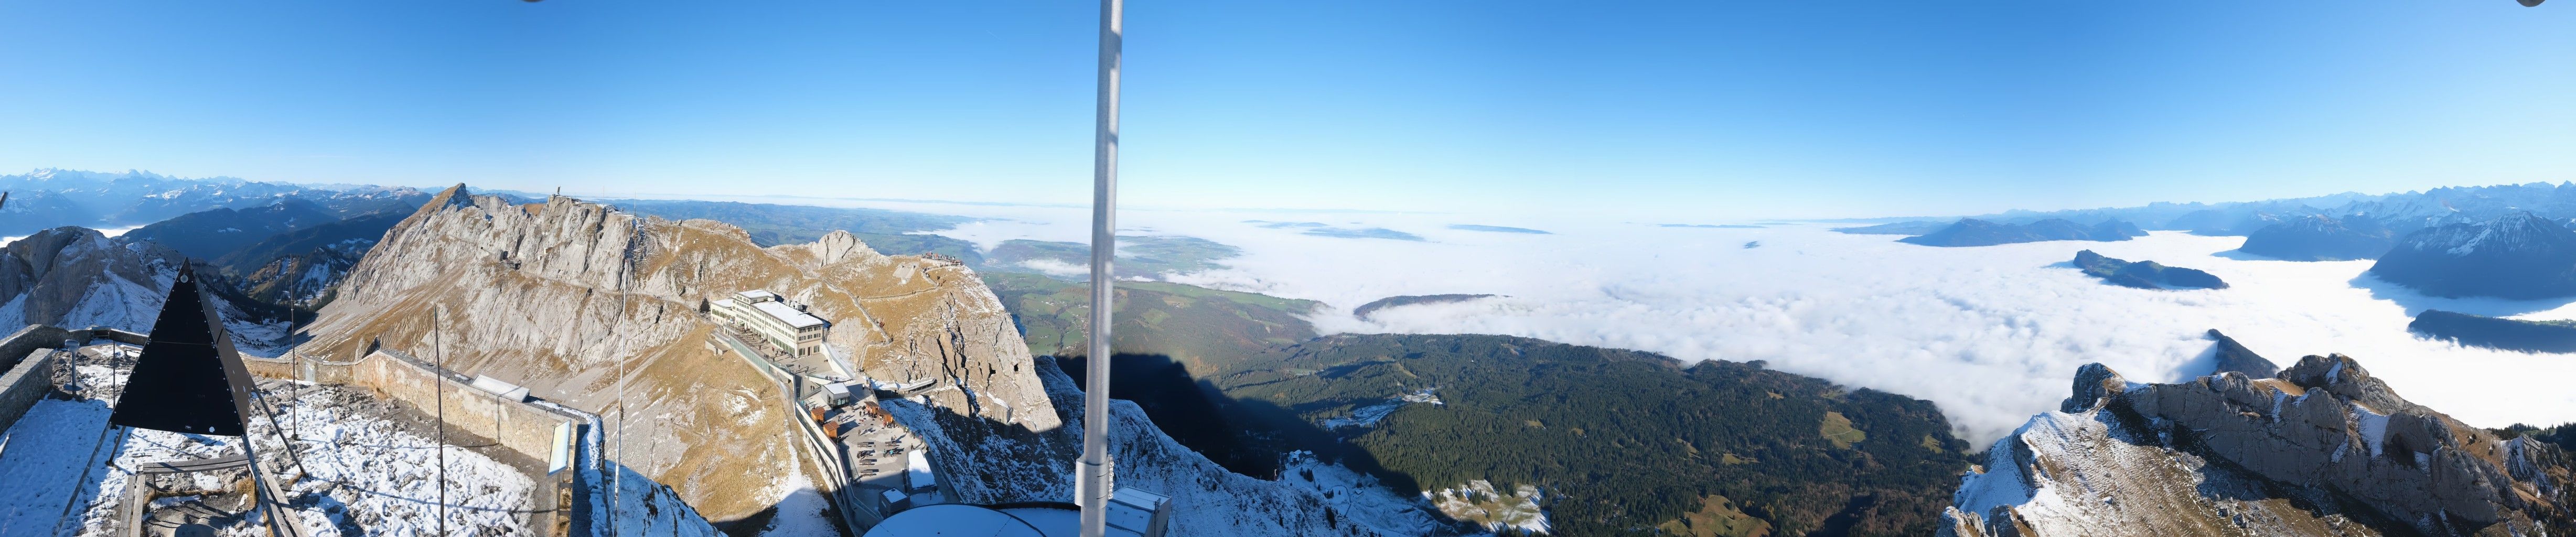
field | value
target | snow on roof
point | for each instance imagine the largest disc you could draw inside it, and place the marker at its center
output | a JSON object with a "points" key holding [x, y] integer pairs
{"points": [[1054, 522], [1138, 498], [954, 519], [1128, 517], [789, 315]]}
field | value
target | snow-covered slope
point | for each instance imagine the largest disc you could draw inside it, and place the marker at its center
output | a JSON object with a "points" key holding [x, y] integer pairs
{"points": [[2324, 449]]}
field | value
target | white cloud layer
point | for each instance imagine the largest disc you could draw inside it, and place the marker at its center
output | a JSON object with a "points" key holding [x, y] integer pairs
{"points": [[1991, 334]]}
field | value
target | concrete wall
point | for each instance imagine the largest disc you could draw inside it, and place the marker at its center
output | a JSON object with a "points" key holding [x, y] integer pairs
{"points": [[26, 378], [543, 431], [524, 428], [25, 340], [24, 384]]}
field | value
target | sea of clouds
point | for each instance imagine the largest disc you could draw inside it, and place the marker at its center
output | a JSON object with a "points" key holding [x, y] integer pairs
{"points": [[1992, 334]]}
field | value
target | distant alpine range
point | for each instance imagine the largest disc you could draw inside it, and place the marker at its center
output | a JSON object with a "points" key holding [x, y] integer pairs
{"points": [[1974, 232], [2319, 237], [2518, 256]]}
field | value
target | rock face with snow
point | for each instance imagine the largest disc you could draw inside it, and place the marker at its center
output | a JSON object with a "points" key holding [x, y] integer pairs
{"points": [[2518, 256], [72, 276], [77, 277], [2324, 449], [2319, 238]]}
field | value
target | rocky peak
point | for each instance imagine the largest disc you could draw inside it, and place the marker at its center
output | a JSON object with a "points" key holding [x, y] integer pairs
{"points": [[839, 246], [2324, 449]]}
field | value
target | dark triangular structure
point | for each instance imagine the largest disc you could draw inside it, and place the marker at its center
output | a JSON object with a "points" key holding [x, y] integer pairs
{"points": [[189, 379]]}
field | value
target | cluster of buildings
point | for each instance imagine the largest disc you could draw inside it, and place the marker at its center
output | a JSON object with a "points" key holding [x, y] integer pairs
{"points": [[892, 486]]}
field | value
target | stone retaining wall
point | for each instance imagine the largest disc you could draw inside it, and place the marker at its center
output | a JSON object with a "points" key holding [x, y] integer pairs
{"points": [[24, 384], [26, 378], [534, 428]]}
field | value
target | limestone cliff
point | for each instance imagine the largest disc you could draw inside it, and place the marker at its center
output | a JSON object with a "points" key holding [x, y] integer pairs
{"points": [[566, 296], [2323, 449]]}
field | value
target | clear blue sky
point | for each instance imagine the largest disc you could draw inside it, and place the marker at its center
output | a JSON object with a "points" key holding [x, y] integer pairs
{"points": [[1708, 109]]}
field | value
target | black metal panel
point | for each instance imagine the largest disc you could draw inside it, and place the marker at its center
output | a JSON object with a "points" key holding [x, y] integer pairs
{"points": [[189, 379]]}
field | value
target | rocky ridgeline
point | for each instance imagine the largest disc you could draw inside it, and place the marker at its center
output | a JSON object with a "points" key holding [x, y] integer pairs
{"points": [[566, 296], [2324, 449]]}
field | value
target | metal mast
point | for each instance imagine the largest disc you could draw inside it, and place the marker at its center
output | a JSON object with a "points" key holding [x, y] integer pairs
{"points": [[1093, 488], [438, 351]]}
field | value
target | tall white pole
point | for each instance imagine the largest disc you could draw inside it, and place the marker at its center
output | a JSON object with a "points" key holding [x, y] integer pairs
{"points": [[438, 386], [1092, 492]]}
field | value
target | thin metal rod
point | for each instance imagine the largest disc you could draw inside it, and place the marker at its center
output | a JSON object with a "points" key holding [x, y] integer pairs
{"points": [[1098, 473], [438, 351]]}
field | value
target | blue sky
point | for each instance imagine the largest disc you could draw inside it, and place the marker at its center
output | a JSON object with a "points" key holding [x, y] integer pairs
{"points": [[1700, 109]]}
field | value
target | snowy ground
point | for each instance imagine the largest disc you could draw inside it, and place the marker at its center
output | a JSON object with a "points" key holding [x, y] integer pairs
{"points": [[366, 469], [801, 514], [362, 473]]}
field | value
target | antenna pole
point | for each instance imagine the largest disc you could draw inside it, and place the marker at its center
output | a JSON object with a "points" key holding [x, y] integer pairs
{"points": [[438, 350], [1097, 473]]}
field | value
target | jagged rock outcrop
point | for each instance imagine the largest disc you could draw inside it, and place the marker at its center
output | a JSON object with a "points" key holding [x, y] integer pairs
{"points": [[839, 246], [566, 297], [2234, 357], [2324, 449], [2517, 256]]}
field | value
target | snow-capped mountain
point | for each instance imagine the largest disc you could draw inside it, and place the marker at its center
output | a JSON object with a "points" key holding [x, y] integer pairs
{"points": [[49, 198], [2519, 255], [2323, 449]]}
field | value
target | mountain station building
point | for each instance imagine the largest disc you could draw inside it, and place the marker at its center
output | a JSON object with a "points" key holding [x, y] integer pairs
{"points": [[786, 327]]}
